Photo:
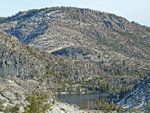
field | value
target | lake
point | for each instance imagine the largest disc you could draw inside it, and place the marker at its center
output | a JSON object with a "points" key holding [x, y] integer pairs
{"points": [[83, 100]]}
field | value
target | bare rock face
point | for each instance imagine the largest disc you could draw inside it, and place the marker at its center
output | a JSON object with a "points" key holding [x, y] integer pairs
{"points": [[13, 91], [15, 58]]}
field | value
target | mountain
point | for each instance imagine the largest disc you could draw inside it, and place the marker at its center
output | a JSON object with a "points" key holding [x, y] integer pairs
{"points": [[112, 44], [75, 49], [92, 26], [79, 28]]}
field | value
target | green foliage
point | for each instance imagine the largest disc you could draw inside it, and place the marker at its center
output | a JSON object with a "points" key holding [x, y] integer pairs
{"points": [[62, 109], [102, 105], [148, 108], [76, 15], [14, 109], [8, 109], [1, 106], [38, 103], [120, 108], [2, 19]]}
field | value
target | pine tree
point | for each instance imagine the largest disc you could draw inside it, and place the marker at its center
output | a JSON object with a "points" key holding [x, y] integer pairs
{"points": [[38, 103]]}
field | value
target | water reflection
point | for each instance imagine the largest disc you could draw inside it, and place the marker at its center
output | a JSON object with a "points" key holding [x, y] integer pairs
{"points": [[83, 100]]}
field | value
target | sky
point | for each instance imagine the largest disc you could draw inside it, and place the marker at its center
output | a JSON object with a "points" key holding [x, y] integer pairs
{"points": [[133, 10]]}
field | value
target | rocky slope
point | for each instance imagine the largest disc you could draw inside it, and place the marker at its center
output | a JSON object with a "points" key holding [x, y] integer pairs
{"points": [[139, 97], [15, 58], [101, 38], [13, 91], [20, 60], [57, 28]]}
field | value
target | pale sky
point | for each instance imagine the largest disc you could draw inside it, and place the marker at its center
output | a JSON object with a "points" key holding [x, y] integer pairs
{"points": [[133, 10]]}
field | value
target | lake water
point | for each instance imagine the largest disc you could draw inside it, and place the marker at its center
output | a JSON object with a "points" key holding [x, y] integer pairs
{"points": [[82, 100]]}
